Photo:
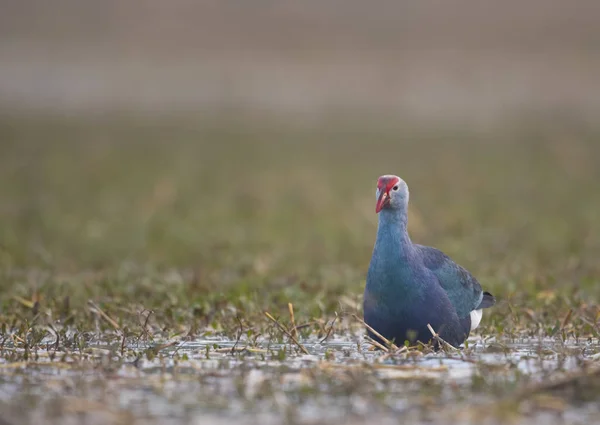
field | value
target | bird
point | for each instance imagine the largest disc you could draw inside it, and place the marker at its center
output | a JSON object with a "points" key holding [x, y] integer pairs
{"points": [[410, 287]]}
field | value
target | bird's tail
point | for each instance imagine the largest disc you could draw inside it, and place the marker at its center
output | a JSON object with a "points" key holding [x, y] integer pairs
{"points": [[487, 301]]}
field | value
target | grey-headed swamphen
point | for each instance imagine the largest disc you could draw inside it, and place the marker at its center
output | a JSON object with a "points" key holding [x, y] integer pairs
{"points": [[410, 286]]}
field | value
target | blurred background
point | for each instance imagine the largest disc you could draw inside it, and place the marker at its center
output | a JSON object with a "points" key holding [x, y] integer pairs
{"points": [[199, 132], [430, 60]]}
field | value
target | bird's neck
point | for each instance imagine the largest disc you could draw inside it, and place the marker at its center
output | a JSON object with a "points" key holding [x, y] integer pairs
{"points": [[391, 270], [392, 234]]}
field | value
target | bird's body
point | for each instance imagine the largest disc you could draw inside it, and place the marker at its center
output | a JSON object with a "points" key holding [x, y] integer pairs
{"points": [[410, 286]]}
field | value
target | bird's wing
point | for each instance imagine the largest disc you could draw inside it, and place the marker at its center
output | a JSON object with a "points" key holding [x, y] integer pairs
{"points": [[464, 291]]}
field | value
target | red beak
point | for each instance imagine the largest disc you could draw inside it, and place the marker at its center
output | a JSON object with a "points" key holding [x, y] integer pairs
{"points": [[382, 201]]}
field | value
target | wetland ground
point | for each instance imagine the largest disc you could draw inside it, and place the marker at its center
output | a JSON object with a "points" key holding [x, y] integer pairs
{"points": [[138, 260]]}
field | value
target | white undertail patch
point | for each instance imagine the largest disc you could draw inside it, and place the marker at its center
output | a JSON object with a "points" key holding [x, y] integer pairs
{"points": [[476, 316]]}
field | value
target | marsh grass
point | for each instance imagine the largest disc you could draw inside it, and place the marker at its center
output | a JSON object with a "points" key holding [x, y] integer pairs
{"points": [[141, 257]]}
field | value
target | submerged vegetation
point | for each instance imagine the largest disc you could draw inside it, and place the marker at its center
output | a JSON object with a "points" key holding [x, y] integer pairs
{"points": [[178, 271]]}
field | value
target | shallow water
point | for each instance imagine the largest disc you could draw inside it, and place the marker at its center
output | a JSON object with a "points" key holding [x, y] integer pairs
{"points": [[204, 381]]}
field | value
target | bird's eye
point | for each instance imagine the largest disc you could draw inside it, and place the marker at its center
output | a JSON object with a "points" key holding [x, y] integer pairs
{"points": [[395, 187]]}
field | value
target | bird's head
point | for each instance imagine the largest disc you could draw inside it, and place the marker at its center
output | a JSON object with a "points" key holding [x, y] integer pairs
{"points": [[392, 193]]}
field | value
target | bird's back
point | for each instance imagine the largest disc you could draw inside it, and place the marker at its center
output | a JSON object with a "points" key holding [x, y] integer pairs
{"points": [[463, 290]]}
